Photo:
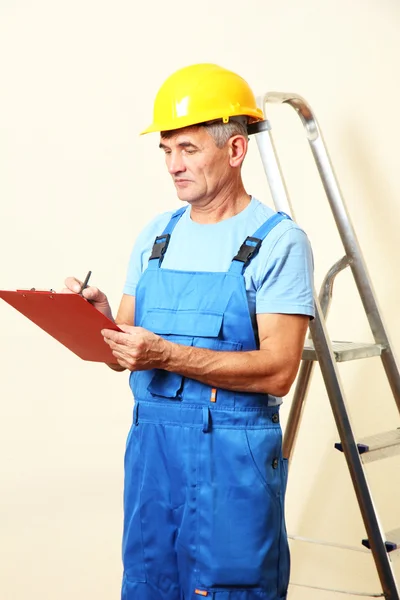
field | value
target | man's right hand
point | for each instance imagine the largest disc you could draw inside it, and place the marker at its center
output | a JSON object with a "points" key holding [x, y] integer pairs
{"points": [[96, 296]]}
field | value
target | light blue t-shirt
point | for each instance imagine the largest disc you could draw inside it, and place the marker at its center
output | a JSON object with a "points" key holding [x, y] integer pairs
{"points": [[278, 280]]}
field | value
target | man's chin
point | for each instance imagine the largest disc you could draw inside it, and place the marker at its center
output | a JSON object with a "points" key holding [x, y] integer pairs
{"points": [[186, 196]]}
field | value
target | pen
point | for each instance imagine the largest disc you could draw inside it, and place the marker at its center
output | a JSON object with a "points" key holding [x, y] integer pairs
{"points": [[84, 284]]}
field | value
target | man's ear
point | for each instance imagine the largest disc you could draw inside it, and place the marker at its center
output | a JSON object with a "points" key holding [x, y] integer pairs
{"points": [[237, 150]]}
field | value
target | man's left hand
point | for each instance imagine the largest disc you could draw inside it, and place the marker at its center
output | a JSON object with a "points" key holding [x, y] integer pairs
{"points": [[136, 349]]}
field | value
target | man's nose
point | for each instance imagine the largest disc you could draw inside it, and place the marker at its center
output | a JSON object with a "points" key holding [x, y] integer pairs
{"points": [[175, 163]]}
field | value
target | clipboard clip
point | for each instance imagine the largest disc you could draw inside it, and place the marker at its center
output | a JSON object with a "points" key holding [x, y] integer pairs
{"points": [[37, 291]]}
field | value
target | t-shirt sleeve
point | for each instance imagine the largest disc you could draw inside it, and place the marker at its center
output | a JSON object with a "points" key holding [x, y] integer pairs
{"points": [[141, 251], [286, 286]]}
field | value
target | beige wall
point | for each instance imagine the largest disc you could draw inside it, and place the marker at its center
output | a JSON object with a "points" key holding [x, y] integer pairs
{"points": [[77, 184]]}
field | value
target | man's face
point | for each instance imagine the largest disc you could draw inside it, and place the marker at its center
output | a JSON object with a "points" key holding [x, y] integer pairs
{"points": [[198, 168]]}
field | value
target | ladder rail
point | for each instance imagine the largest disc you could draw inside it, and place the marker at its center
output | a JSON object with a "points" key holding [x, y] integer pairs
{"points": [[307, 366], [318, 330], [333, 385], [342, 219]]}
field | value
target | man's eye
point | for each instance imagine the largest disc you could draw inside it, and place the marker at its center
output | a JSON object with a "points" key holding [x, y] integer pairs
{"points": [[189, 150]]}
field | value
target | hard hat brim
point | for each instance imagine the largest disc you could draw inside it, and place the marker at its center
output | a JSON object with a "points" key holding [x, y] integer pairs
{"points": [[253, 115]]}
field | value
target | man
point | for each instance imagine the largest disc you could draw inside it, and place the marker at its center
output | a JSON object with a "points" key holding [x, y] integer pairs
{"points": [[220, 293]]}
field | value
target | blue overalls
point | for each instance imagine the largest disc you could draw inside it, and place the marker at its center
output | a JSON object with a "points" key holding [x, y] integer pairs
{"points": [[204, 474]]}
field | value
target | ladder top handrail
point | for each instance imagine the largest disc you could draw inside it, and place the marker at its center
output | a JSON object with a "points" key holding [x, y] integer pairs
{"points": [[300, 105]]}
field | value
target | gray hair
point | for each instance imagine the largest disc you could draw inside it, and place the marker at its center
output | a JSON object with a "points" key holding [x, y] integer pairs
{"points": [[222, 132]]}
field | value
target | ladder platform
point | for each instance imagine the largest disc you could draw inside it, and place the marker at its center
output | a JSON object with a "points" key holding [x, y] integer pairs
{"points": [[377, 446], [344, 351], [392, 541]]}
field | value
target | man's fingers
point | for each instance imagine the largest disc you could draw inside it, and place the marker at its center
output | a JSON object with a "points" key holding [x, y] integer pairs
{"points": [[95, 295], [115, 337], [123, 363], [129, 329], [73, 284], [119, 355], [92, 293], [127, 363]]}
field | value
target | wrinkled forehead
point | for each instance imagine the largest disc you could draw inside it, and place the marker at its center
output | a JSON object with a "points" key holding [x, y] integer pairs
{"points": [[195, 134]]}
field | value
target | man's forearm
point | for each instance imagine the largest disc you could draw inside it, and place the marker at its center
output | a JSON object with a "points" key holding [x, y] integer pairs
{"points": [[254, 371], [270, 370]]}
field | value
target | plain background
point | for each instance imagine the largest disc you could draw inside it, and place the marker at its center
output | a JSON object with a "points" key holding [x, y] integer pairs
{"points": [[77, 184]]}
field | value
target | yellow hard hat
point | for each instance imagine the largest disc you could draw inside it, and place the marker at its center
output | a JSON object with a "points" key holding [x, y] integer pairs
{"points": [[200, 93]]}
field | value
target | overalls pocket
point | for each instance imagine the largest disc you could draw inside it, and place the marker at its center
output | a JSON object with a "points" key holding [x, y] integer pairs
{"points": [[192, 323], [165, 384], [132, 543], [239, 511], [180, 327], [248, 594], [284, 553]]}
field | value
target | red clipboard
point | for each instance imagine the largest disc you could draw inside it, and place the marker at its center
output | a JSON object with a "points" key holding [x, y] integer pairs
{"points": [[69, 318]]}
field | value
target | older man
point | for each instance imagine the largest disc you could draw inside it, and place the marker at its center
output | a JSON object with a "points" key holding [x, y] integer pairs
{"points": [[220, 295]]}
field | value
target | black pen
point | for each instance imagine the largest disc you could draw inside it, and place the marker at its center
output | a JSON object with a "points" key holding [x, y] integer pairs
{"points": [[84, 284]]}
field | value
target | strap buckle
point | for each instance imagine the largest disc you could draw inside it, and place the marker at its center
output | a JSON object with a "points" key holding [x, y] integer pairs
{"points": [[248, 250], [160, 246]]}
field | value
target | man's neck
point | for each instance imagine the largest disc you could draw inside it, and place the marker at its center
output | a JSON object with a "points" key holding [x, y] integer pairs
{"points": [[224, 206]]}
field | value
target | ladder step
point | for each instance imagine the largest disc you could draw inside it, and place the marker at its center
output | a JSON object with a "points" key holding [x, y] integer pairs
{"points": [[377, 446], [345, 350], [381, 445], [392, 541]]}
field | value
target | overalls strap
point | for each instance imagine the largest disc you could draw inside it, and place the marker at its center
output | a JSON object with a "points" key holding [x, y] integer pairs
{"points": [[252, 244], [161, 242]]}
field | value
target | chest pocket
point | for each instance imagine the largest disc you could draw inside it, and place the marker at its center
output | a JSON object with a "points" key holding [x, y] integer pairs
{"points": [[189, 328], [192, 323]]}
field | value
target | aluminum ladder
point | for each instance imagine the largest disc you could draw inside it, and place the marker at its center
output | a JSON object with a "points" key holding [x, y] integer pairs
{"points": [[320, 348]]}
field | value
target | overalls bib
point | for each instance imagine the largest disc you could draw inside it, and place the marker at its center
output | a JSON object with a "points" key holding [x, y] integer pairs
{"points": [[204, 474]]}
